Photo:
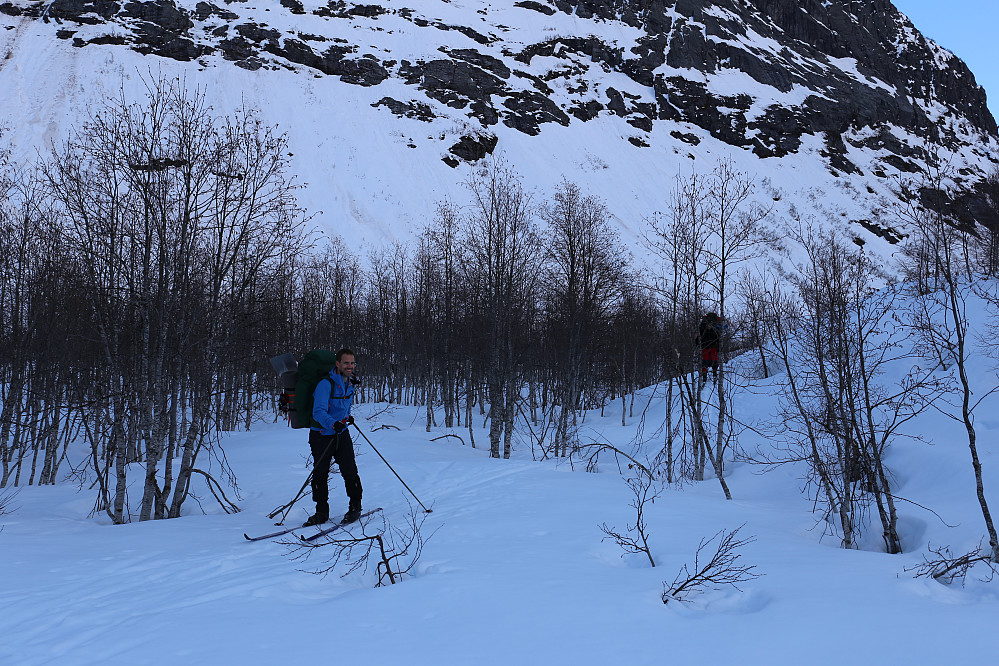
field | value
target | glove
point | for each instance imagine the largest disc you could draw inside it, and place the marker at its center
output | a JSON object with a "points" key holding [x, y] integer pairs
{"points": [[355, 381], [339, 427], [349, 420]]}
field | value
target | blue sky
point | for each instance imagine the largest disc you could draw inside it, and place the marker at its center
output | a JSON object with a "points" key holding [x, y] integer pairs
{"points": [[967, 28]]}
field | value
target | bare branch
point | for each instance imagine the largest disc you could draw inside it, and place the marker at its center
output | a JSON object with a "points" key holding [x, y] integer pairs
{"points": [[945, 567], [457, 437], [721, 570], [397, 549], [217, 491], [635, 539]]}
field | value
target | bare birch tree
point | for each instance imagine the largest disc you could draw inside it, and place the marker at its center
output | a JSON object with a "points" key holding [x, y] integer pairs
{"points": [[585, 274], [939, 264], [173, 217], [502, 252], [834, 337]]}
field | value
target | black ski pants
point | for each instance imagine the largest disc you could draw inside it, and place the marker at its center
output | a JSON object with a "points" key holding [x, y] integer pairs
{"points": [[325, 450]]}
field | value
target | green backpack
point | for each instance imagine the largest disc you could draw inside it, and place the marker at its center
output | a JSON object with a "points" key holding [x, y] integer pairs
{"points": [[315, 367]]}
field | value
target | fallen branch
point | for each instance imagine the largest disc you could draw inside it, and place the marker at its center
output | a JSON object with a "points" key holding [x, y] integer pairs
{"points": [[397, 550], [945, 567], [223, 501], [721, 570], [449, 435]]}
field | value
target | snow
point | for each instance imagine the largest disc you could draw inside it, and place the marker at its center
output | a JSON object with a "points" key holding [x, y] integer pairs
{"points": [[517, 569]]}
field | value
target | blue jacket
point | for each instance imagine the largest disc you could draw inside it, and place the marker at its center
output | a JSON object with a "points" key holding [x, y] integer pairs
{"points": [[331, 402]]}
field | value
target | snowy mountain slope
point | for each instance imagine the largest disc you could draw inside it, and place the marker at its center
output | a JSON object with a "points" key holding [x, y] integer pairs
{"points": [[386, 104]]}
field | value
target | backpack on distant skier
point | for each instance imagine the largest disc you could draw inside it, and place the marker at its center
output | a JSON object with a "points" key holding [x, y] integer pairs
{"points": [[299, 382], [709, 331]]}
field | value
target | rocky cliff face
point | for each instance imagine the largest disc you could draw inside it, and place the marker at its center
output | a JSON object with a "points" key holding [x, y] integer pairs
{"points": [[760, 75]]}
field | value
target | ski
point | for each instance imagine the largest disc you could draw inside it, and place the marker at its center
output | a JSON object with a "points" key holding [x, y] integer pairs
{"points": [[292, 529], [337, 526], [272, 534]]}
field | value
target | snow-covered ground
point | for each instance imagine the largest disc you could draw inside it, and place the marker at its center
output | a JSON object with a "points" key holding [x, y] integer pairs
{"points": [[517, 570]]}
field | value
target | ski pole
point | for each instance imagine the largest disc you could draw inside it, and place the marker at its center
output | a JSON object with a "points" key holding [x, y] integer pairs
{"points": [[393, 471], [287, 507], [298, 496]]}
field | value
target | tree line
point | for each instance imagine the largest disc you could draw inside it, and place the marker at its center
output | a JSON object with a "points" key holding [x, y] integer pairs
{"points": [[156, 259]]}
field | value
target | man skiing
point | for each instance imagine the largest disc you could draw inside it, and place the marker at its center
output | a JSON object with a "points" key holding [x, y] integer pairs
{"points": [[330, 440], [709, 336]]}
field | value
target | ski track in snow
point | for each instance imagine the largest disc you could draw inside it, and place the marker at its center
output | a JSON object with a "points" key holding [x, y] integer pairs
{"points": [[516, 572]]}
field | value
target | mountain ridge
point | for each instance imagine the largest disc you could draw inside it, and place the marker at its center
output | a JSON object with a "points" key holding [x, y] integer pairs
{"points": [[851, 84]]}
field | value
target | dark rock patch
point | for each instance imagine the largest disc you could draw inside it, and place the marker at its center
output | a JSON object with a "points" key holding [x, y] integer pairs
{"points": [[835, 152], [413, 109], [474, 35], [486, 62], [901, 164], [166, 16], [10, 9], [616, 102], [639, 115], [692, 139], [690, 101], [299, 53], [778, 131], [117, 40], [237, 49], [641, 122], [889, 234], [537, 81], [530, 110], [586, 111], [884, 140], [333, 9], [547, 10], [592, 47], [258, 34], [91, 12], [161, 29], [205, 10], [251, 64], [364, 71], [367, 11], [456, 84], [473, 147]]}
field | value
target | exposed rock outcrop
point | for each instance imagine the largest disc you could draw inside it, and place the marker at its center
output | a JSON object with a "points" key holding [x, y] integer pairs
{"points": [[761, 75]]}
